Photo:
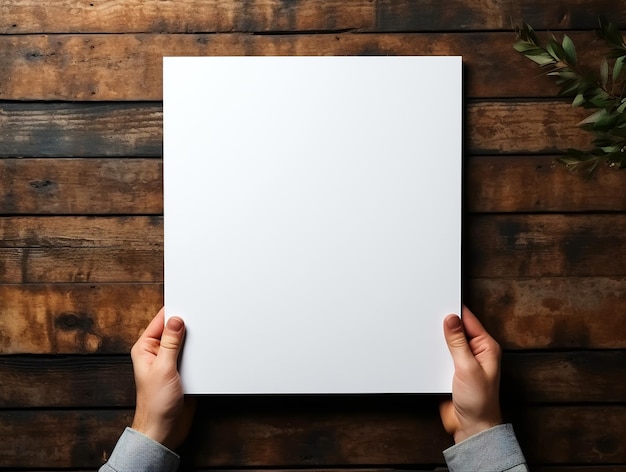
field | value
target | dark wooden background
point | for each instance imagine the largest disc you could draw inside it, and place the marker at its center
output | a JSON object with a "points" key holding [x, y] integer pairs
{"points": [[81, 232]]}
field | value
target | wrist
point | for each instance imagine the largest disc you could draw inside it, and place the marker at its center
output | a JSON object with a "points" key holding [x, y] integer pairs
{"points": [[475, 428], [151, 429]]}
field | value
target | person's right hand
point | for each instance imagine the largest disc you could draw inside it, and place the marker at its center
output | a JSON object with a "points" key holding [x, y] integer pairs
{"points": [[162, 412], [475, 404]]}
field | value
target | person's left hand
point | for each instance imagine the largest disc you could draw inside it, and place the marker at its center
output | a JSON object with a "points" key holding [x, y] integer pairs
{"points": [[162, 413]]}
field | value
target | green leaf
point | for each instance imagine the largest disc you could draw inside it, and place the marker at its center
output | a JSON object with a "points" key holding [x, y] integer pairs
{"points": [[610, 33], [566, 74], [604, 72], [569, 49], [568, 88], [600, 99], [591, 119], [542, 60], [528, 33], [525, 46], [605, 123], [617, 67], [579, 99], [556, 51]]}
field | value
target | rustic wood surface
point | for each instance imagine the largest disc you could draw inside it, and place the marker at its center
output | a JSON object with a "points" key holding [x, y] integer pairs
{"points": [[85, 16], [128, 66], [107, 381], [537, 313], [130, 129], [81, 232], [274, 432], [92, 186]]}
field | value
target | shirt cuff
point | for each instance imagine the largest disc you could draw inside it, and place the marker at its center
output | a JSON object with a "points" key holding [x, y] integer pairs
{"points": [[495, 449], [135, 452]]}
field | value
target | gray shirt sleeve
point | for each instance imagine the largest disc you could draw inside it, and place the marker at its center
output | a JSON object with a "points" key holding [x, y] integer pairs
{"points": [[135, 452], [493, 450]]}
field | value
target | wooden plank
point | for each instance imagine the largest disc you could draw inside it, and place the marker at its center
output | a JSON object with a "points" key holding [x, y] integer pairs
{"points": [[313, 434], [587, 435], [71, 186], [59, 438], [550, 245], [78, 129], [499, 245], [564, 377], [95, 186], [543, 313], [159, 16], [66, 382], [129, 66], [141, 232], [134, 186], [110, 16], [135, 130], [75, 318], [80, 265], [98, 381], [431, 15], [524, 127], [552, 313], [539, 184]]}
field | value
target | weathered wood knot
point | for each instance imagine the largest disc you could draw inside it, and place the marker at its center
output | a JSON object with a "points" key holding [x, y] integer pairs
{"points": [[70, 321]]}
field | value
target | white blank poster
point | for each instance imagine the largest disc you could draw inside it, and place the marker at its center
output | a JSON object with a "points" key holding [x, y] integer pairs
{"points": [[313, 221]]}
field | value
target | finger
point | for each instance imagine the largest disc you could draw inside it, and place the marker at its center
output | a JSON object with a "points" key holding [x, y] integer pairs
{"points": [[172, 340], [479, 339], [155, 329], [149, 340], [473, 326], [457, 342]]}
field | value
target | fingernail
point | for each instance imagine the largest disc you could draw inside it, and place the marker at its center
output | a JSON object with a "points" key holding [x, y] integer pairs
{"points": [[175, 324], [453, 323]]}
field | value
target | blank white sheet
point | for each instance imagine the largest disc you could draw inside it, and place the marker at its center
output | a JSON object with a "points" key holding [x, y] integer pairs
{"points": [[312, 213]]}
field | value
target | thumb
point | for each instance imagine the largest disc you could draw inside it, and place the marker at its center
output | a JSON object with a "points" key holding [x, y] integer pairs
{"points": [[457, 341], [172, 340]]}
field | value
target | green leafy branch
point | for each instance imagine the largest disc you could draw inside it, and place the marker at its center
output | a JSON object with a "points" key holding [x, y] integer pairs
{"points": [[601, 90]]}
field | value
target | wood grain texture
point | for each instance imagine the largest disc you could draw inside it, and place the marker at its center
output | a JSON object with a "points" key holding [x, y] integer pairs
{"points": [[431, 15], [70, 186], [551, 313], [75, 318], [115, 186], [510, 184], [550, 245], [66, 382], [131, 129], [121, 232], [543, 313], [110, 16], [280, 433], [497, 246], [80, 265], [564, 377], [169, 16], [59, 438], [129, 66], [574, 434], [80, 129], [98, 381]]}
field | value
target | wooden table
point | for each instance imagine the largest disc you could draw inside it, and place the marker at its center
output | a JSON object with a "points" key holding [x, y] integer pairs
{"points": [[81, 233]]}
